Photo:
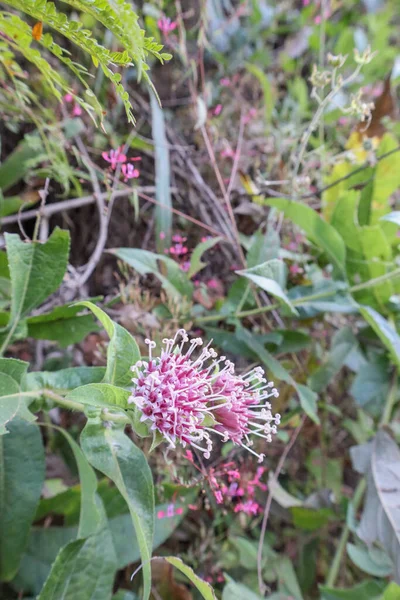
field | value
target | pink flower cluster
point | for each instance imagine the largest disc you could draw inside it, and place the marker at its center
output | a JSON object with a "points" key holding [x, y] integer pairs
{"points": [[233, 485], [179, 250], [170, 512], [237, 487], [189, 400], [166, 25], [76, 109], [116, 157]]}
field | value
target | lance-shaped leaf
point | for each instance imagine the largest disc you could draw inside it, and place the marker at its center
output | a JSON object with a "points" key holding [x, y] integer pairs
{"points": [[83, 569], [111, 452], [122, 352], [101, 395], [270, 276], [380, 521], [12, 401], [36, 269], [317, 230], [384, 330], [204, 588], [85, 566], [21, 480]]}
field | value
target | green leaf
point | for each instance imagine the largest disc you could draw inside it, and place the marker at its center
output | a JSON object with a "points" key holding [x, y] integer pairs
{"points": [[371, 384], [12, 204], [89, 563], [85, 568], [12, 401], [393, 217], [62, 325], [270, 276], [237, 591], [124, 595], [175, 282], [380, 521], [21, 480], [101, 395], [36, 565], [36, 270], [366, 590], [9, 400], [90, 515], [268, 91], [343, 342], [16, 166], [204, 588], [111, 452], [122, 351], [318, 230], [392, 592], [374, 562], [309, 518], [196, 264], [64, 379], [162, 211], [287, 578], [387, 174], [384, 330]]}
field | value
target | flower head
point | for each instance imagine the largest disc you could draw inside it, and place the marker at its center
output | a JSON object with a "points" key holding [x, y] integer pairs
{"points": [[165, 25], [129, 172], [114, 157], [188, 399]]}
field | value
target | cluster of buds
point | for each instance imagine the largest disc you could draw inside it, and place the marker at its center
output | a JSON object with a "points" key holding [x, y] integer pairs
{"points": [[190, 400], [117, 157], [358, 108], [319, 79], [364, 58], [336, 60]]}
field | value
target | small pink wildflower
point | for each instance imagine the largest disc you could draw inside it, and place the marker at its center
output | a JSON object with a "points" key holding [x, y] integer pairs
{"points": [[68, 98], [219, 497], [189, 399], [165, 25], [213, 284], [171, 512], [250, 115], [227, 153], [249, 507], [162, 235], [129, 172], [76, 111], [225, 82], [217, 110], [185, 266], [114, 157], [178, 249], [295, 269]]}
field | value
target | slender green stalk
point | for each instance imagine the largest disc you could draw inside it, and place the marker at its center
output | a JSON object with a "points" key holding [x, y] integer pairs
{"points": [[341, 548], [72, 405], [359, 493], [303, 300]]}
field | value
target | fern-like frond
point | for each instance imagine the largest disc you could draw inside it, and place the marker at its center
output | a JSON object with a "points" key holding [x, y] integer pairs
{"points": [[115, 15]]}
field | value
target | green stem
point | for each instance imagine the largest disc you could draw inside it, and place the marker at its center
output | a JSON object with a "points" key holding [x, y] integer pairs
{"points": [[341, 548], [390, 402], [361, 487], [72, 405], [303, 300]]}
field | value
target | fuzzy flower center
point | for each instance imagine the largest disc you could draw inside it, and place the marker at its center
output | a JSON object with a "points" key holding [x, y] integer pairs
{"points": [[188, 399]]}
